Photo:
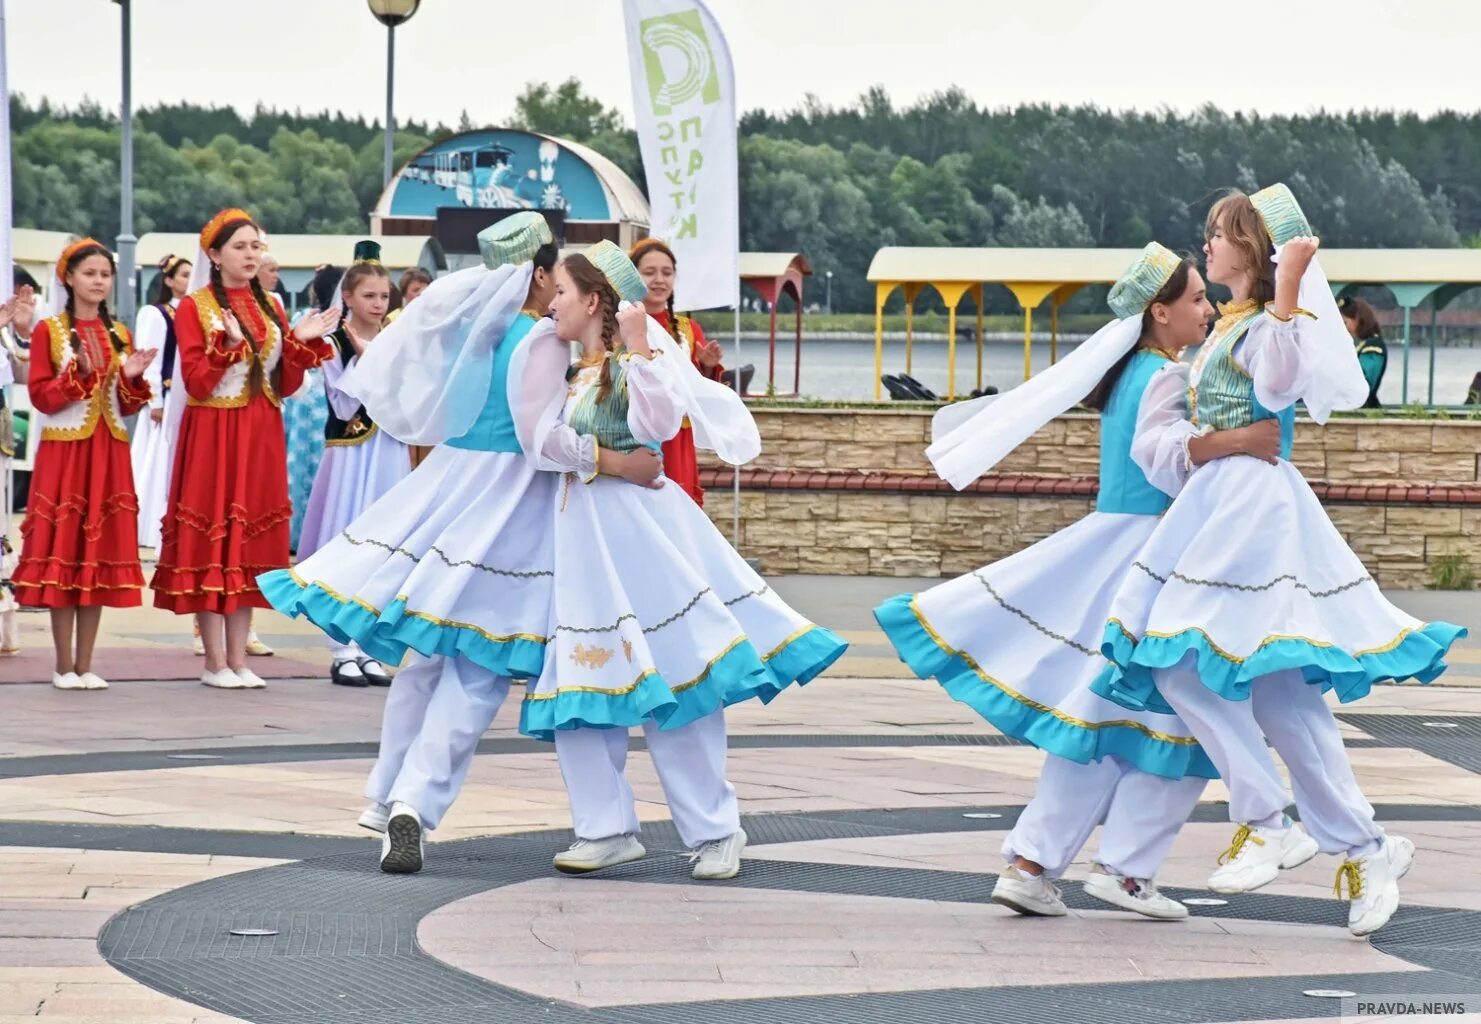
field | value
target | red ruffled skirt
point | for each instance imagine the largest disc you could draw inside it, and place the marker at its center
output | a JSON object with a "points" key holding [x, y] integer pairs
{"points": [[227, 520], [80, 537], [681, 464]]}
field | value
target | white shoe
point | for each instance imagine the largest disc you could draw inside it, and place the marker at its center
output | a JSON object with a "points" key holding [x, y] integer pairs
{"points": [[93, 681], [67, 681], [1373, 884], [375, 816], [250, 680], [1258, 854], [198, 645], [594, 854], [401, 847], [255, 647], [1138, 895], [225, 679], [1032, 895], [718, 858]]}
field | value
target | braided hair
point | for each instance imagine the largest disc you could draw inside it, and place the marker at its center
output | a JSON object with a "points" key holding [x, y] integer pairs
{"points": [[591, 281], [218, 287], [75, 260]]}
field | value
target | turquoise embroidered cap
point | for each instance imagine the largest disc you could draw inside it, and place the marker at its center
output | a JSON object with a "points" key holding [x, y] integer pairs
{"points": [[1135, 290], [618, 270], [1281, 214], [513, 240]]}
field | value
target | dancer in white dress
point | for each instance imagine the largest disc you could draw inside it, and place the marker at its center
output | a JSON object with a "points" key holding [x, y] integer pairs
{"points": [[1245, 605], [656, 621], [454, 563], [361, 462], [1019, 647], [153, 449]]}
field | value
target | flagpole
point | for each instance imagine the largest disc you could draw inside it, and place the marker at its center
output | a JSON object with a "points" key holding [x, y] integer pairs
{"points": [[735, 377]]}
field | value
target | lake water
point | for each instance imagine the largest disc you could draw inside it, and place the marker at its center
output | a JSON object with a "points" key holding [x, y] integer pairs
{"points": [[843, 370]]}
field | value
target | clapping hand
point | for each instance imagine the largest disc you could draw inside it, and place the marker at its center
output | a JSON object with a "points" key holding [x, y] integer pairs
{"points": [[138, 361]]}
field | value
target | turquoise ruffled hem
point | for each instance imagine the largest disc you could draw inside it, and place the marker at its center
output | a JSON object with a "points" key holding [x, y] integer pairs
{"points": [[1419, 655], [1034, 724], [387, 636], [740, 674]]}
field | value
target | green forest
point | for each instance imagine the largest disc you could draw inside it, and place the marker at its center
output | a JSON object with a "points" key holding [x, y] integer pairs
{"points": [[834, 182]]}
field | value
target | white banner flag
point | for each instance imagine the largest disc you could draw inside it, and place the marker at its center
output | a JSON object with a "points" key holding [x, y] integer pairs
{"points": [[684, 99]]}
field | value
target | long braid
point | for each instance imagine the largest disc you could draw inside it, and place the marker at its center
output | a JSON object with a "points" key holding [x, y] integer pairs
{"points": [[674, 322], [269, 308], [608, 299], [113, 335]]}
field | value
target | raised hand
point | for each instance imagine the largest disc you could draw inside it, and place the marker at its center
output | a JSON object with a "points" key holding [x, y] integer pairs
{"points": [[632, 325], [234, 335], [317, 325], [710, 355], [1295, 256], [7, 310], [356, 342], [138, 361]]}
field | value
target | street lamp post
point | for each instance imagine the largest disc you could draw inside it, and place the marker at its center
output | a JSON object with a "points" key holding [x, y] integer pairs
{"points": [[829, 278], [126, 238], [391, 13]]}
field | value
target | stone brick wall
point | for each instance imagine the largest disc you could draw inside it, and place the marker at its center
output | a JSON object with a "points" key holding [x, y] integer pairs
{"points": [[1403, 492]]}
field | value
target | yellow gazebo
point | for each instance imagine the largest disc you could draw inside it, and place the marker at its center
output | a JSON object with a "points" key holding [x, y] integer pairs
{"points": [[1032, 275], [1036, 275]]}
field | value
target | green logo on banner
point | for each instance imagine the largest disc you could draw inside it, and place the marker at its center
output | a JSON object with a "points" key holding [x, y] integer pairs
{"points": [[687, 70]]}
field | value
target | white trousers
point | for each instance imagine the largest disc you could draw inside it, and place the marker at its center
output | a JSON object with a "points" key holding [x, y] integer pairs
{"points": [[343, 652], [690, 762], [1142, 814], [437, 710], [1292, 715]]}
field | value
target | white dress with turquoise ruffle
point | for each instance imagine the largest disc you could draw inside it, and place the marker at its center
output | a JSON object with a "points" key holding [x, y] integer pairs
{"points": [[1018, 640], [1245, 570], [655, 616]]}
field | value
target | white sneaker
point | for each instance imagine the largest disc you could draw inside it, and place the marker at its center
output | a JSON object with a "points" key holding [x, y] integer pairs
{"points": [[197, 644], [250, 680], [93, 681], [375, 816], [1373, 884], [225, 679], [718, 858], [401, 847], [1257, 854], [255, 647], [67, 681], [1033, 895], [1138, 895], [594, 854]]}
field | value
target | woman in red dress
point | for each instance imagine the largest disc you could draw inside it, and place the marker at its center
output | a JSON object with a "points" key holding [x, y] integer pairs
{"points": [[655, 261], [80, 546], [226, 521]]}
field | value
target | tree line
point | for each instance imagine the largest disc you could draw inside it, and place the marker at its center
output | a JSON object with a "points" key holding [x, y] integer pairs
{"points": [[836, 182]]}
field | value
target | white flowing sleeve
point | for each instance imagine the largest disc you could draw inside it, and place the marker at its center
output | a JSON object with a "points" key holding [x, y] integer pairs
{"points": [[537, 397], [655, 410], [1278, 360], [344, 404], [150, 330], [1163, 430]]}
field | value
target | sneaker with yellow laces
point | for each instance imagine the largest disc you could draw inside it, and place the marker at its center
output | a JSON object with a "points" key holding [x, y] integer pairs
{"points": [[1257, 854], [1372, 884], [256, 648]]}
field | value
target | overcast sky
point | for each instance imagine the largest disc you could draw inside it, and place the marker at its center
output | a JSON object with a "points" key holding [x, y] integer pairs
{"points": [[1422, 55]]}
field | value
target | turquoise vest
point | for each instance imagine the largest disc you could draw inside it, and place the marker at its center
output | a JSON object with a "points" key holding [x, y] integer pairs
{"points": [[493, 431], [1224, 397], [607, 421], [1123, 486]]}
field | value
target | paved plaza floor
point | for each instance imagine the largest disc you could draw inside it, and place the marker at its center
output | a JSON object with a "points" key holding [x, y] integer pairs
{"points": [[141, 826]]}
